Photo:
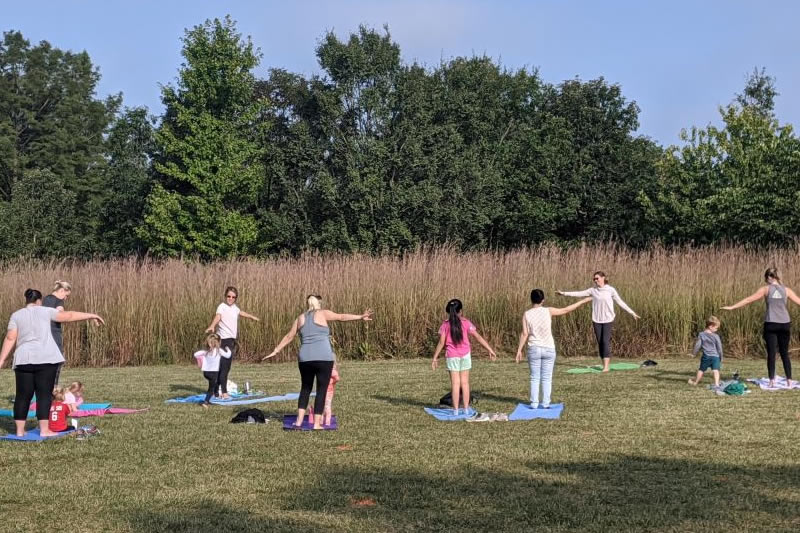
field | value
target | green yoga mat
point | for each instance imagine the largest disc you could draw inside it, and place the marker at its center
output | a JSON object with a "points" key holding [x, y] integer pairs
{"points": [[597, 369]]}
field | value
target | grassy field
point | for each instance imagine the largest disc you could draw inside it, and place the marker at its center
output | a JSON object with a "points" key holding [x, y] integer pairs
{"points": [[157, 311], [636, 450]]}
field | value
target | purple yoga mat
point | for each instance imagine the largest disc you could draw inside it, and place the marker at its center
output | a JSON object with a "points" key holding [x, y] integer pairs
{"points": [[289, 420]]}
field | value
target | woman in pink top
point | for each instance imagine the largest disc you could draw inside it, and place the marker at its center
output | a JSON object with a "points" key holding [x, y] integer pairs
{"points": [[454, 334]]}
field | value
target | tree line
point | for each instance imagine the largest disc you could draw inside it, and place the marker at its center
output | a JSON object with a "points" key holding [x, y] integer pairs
{"points": [[372, 155]]}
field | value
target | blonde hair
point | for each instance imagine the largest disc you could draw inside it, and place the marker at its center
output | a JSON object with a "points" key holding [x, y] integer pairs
{"points": [[75, 386], [59, 284], [58, 393], [213, 341], [314, 303], [712, 321], [772, 273]]}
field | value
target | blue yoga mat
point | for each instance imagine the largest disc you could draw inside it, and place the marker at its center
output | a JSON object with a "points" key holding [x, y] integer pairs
{"points": [[236, 399], [84, 406], [33, 436], [289, 420], [447, 413], [523, 411]]}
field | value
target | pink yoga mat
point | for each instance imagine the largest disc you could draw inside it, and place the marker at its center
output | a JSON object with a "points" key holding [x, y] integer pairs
{"points": [[109, 411]]}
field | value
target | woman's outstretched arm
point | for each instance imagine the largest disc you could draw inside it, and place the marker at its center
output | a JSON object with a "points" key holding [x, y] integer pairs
{"points": [[760, 293], [289, 337], [558, 311]]}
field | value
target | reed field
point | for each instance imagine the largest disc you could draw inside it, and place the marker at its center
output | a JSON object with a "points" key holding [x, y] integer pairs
{"points": [[156, 311]]}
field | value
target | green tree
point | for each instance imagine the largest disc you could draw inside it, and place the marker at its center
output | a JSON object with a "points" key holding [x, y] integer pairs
{"points": [[51, 119], [128, 180], [739, 183], [39, 221], [208, 161]]}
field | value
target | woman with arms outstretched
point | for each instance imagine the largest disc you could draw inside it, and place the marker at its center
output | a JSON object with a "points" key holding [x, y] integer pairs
{"points": [[777, 323]]}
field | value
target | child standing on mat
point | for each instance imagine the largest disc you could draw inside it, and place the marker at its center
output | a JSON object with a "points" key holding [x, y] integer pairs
{"points": [[59, 410], [711, 346], [328, 412], [454, 335], [210, 362], [226, 322]]}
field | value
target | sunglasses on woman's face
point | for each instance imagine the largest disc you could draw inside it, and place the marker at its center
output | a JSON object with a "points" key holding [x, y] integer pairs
{"points": [[231, 296]]}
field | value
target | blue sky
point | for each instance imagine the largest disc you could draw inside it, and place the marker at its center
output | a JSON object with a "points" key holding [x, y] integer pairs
{"points": [[679, 60]]}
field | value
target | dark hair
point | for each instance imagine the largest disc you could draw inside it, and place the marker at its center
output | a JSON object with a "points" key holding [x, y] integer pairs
{"points": [[601, 274], [537, 296], [232, 289], [452, 309], [772, 273], [32, 295]]}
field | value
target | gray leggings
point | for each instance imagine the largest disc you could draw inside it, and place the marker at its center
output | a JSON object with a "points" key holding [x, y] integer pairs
{"points": [[602, 333]]}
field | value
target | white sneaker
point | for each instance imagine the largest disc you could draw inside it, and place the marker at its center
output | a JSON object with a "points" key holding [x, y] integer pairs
{"points": [[534, 405]]}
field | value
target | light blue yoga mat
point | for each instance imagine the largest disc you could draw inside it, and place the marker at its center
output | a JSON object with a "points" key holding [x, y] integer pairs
{"points": [[84, 406], [237, 399], [523, 411], [34, 436], [447, 413]]}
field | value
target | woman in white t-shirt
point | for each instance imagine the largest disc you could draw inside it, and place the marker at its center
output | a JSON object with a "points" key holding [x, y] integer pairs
{"points": [[226, 322], [36, 358], [603, 298], [538, 335]]}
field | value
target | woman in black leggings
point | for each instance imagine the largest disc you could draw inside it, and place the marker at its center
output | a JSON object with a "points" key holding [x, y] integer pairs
{"points": [[777, 323], [316, 354], [37, 357]]}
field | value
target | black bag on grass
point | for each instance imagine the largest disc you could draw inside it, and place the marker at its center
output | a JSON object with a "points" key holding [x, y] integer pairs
{"points": [[251, 416], [447, 399]]}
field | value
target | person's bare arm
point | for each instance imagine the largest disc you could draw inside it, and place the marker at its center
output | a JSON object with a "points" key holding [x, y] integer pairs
{"points": [[558, 311], [8, 344], [760, 293], [442, 340], [289, 337], [249, 316], [522, 338], [482, 342], [214, 322], [332, 316], [77, 316]]}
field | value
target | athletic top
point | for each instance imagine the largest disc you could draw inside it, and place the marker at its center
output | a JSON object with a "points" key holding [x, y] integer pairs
{"points": [[228, 325], [35, 344], [539, 323], [776, 305], [315, 342], [58, 416], [211, 358], [461, 349], [603, 299], [53, 301], [710, 343]]}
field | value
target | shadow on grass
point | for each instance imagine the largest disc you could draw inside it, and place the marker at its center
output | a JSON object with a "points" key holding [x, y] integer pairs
{"points": [[7, 424], [621, 494], [211, 516], [174, 387], [404, 401]]}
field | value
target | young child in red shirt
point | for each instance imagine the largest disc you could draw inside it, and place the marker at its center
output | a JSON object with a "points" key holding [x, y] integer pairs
{"points": [[59, 410]]}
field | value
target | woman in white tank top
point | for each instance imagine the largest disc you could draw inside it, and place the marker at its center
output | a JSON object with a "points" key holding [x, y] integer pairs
{"points": [[538, 335]]}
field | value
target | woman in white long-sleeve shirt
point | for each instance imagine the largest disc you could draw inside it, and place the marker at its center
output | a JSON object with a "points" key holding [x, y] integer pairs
{"points": [[603, 298]]}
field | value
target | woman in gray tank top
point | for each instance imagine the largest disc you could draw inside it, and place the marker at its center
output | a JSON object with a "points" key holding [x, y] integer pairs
{"points": [[315, 359], [37, 357], [777, 323]]}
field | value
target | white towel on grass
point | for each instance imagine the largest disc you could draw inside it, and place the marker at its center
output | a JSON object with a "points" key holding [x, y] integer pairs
{"points": [[780, 383]]}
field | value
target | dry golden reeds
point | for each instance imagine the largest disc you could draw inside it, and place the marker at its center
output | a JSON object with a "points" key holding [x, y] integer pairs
{"points": [[156, 311]]}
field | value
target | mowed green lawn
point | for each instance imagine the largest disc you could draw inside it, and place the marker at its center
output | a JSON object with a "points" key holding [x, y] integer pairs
{"points": [[634, 450]]}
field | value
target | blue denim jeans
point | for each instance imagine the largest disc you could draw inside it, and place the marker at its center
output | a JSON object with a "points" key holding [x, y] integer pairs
{"points": [[541, 362]]}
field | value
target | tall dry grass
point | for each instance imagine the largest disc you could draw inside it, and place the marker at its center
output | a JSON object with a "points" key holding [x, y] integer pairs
{"points": [[156, 311]]}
